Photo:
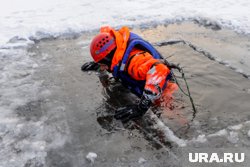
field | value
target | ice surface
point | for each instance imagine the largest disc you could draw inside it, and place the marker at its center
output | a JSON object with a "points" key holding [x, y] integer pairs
{"points": [[44, 18], [230, 134], [22, 128]]}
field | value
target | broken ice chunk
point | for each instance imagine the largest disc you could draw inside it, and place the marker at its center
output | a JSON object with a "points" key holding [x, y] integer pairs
{"points": [[141, 160], [91, 157]]}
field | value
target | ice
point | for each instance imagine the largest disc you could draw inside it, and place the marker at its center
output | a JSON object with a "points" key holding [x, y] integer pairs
{"points": [[91, 156], [21, 140], [200, 139], [141, 160], [222, 132], [34, 65], [231, 134], [169, 134], [233, 137], [235, 127], [45, 56], [46, 19]]}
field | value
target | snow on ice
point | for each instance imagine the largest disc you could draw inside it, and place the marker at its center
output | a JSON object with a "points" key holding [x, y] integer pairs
{"points": [[43, 18], [91, 156]]}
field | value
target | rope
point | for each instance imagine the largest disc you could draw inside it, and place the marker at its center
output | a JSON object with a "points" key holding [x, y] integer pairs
{"points": [[188, 94], [176, 66]]}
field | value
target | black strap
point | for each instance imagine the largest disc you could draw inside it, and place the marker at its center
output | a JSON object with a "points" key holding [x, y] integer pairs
{"points": [[130, 58], [156, 63]]}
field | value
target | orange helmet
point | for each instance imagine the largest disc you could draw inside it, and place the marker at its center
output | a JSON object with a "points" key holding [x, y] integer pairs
{"points": [[102, 45]]}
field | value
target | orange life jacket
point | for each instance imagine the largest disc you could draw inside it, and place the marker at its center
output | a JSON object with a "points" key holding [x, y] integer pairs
{"points": [[121, 39], [132, 61]]}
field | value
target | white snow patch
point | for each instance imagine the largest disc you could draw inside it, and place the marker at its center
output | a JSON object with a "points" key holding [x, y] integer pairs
{"points": [[141, 160], [169, 134], [35, 65], [235, 127], [247, 122], [8, 120], [232, 136], [239, 70], [45, 19], [39, 145], [200, 139], [91, 156], [220, 133]]}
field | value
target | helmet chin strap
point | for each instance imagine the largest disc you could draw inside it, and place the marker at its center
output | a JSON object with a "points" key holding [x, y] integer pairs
{"points": [[108, 59]]}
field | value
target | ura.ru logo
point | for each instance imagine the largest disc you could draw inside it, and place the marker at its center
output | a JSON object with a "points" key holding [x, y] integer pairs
{"points": [[214, 157]]}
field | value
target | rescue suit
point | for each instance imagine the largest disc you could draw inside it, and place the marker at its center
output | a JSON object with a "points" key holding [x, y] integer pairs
{"points": [[137, 64], [133, 61]]}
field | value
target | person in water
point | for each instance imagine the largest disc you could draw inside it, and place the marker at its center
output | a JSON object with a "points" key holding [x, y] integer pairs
{"points": [[135, 63]]}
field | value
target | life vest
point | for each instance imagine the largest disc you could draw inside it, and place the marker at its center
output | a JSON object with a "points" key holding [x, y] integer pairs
{"points": [[121, 39], [119, 71]]}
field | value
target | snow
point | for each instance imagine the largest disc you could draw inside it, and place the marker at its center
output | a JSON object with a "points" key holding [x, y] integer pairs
{"points": [[231, 134], [141, 160], [169, 134], [236, 127], [200, 139], [43, 18], [222, 132], [91, 156]]}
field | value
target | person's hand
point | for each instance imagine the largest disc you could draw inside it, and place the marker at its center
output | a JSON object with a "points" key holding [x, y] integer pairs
{"points": [[133, 111], [104, 78], [90, 66], [128, 113]]}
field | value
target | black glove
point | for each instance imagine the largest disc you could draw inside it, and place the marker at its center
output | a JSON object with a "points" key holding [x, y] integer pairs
{"points": [[90, 66], [128, 113], [134, 111], [104, 78]]}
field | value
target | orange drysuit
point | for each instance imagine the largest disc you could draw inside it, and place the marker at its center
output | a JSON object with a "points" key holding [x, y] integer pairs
{"points": [[141, 65]]}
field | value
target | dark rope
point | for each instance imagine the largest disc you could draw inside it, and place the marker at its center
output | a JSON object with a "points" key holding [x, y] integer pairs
{"points": [[176, 66], [188, 94]]}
